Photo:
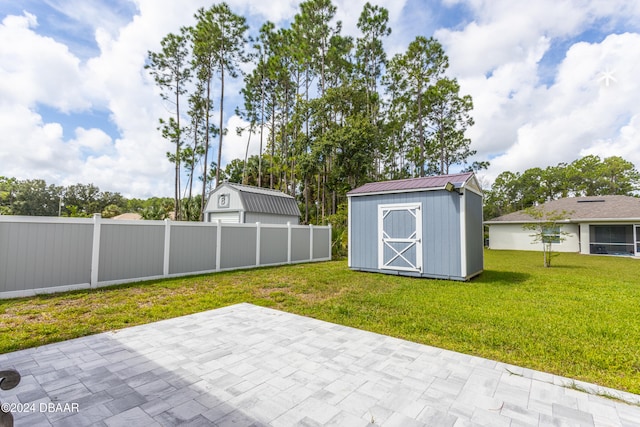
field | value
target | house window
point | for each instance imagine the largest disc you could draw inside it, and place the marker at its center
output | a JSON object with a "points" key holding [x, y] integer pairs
{"points": [[551, 234], [611, 239]]}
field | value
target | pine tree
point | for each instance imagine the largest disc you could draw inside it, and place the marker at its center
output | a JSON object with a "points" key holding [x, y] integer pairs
{"points": [[171, 71]]}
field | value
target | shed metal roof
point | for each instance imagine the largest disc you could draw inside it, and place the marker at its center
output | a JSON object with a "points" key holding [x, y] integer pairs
{"points": [[579, 209], [412, 184], [265, 200]]}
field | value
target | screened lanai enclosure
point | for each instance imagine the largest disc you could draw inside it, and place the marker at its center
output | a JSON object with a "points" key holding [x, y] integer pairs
{"points": [[614, 239]]}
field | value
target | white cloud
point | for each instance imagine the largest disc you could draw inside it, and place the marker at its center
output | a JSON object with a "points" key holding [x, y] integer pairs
{"points": [[501, 100], [42, 71], [274, 11], [581, 113], [36, 69], [91, 139], [523, 121], [506, 31], [503, 32], [625, 144], [29, 145]]}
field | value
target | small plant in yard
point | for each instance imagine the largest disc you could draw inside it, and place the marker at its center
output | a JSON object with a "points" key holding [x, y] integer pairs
{"points": [[339, 238], [547, 229]]}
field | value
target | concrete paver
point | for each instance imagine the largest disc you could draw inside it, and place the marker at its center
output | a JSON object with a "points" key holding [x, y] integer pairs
{"points": [[245, 365]]}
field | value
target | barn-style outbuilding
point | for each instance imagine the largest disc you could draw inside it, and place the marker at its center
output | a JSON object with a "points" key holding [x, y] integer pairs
{"points": [[423, 227], [237, 203]]}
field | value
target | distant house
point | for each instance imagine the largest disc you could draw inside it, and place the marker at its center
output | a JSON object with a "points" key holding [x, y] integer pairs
{"points": [[604, 225], [237, 203], [130, 216], [423, 227]]}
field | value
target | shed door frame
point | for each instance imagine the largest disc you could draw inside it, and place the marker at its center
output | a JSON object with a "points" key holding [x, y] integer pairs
{"points": [[405, 243]]}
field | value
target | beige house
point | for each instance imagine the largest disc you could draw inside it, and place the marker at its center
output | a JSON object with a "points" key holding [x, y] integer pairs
{"points": [[603, 225], [130, 216]]}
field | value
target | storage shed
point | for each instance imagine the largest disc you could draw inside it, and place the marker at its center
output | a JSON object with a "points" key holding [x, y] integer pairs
{"points": [[423, 227], [237, 203]]}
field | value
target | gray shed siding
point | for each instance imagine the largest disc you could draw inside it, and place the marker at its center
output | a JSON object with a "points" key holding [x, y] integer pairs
{"points": [[192, 248], [441, 237], [130, 251], [44, 255], [475, 233]]}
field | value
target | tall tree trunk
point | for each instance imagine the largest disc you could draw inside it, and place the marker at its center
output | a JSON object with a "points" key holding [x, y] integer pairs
{"points": [[261, 133], [246, 158], [421, 132], [206, 149], [176, 208], [218, 164], [306, 200], [273, 141], [192, 167]]}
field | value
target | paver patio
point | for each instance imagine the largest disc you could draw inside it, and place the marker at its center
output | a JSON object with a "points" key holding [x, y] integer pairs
{"points": [[246, 365]]}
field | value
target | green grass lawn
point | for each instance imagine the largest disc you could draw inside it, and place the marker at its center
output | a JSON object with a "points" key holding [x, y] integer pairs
{"points": [[580, 318]]}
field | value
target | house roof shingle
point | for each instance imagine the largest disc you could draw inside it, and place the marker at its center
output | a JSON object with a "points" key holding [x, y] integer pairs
{"points": [[584, 208], [425, 183], [128, 216]]}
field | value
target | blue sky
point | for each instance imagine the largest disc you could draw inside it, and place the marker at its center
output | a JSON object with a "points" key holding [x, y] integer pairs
{"points": [[551, 80]]}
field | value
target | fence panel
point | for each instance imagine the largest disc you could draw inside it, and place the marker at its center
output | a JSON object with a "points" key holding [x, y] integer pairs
{"points": [[321, 243], [39, 255], [192, 248], [43, 254], [273, 245], [300, 248], [130, 251], [238, 246]]}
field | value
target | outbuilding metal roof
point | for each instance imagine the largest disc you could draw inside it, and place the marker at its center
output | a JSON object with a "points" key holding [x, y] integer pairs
{"points": [[412, 184], [265, 200]]}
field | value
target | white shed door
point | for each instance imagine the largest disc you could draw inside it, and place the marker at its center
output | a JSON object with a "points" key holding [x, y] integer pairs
{"points": [[230, 217], [400, 234]]}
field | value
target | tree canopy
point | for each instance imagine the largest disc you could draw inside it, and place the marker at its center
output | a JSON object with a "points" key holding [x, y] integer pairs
{"points": [[330, 111], [34, 197]]}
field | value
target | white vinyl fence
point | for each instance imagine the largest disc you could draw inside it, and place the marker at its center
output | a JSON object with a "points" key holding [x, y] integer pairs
{"points": [[50, 254]]}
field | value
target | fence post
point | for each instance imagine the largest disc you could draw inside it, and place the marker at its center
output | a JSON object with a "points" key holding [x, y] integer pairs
{"points": [[257, 243], [310, 242], [330, 235], [288, 242], [218, 243], [95, 250], [167, 247]]}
